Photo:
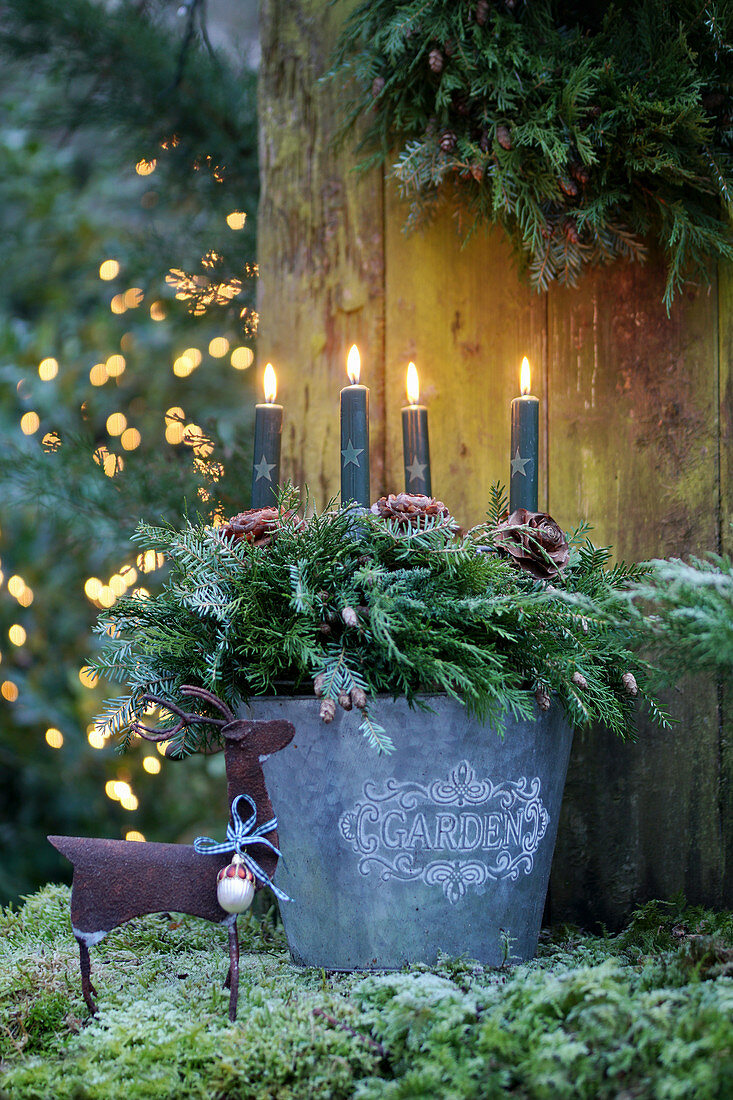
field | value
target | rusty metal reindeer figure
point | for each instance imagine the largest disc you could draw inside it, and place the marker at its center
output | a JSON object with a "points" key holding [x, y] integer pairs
{"points": [[116, 880]]}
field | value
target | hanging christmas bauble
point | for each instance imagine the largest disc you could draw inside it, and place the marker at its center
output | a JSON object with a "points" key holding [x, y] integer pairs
{"points": [[235, 886]]}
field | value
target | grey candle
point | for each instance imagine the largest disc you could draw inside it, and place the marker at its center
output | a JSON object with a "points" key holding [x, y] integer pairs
{"points": [[354, 437], [415, 441], [525, 447], [268, 435]]}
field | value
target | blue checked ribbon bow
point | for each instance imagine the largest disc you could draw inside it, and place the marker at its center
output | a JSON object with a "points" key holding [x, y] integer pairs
{"points": [[239, 834]]}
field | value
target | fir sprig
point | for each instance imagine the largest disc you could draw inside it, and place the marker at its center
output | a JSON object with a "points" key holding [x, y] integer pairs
{"points": [[585, 131], [365, 610]]}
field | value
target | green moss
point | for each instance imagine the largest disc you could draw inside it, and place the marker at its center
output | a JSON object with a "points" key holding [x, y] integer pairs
{"points": [[644, 1014]]}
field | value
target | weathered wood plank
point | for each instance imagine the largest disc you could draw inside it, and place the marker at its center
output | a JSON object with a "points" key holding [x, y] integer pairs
{"points": [[725, 393], [466, 320], [320, 247], [637, 422], [634, 449]]}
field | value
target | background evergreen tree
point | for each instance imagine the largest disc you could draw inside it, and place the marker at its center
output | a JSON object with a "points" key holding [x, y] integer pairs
{"points": [[127, 166]]}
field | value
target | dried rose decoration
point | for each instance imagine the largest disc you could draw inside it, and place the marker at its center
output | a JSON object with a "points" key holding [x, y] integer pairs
{"points": [[256, 525], [534, 541], [408, 509]]}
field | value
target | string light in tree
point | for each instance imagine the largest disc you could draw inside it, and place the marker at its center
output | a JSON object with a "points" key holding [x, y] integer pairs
{"points": [[108, 270], [30, 422], [48, 369]]}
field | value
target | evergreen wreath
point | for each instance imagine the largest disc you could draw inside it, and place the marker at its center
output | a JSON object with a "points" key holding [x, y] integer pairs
{"points": [[347, 609], [585, 130]]}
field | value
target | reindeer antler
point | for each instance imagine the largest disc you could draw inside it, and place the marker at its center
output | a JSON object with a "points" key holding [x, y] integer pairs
{"points": [[187, 718], [209, 697]]}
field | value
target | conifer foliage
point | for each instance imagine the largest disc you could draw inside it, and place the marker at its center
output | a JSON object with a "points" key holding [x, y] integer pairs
{"points": [[367, 606], [584, 130]]}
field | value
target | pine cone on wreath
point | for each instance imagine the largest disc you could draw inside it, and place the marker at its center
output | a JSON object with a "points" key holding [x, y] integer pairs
{"points": [[409, 508], [504, 137], [570, 230], [482, 12], [435, 60], [534, 542], [581, 173], [377, 86], [448, 141], [256, 525]]}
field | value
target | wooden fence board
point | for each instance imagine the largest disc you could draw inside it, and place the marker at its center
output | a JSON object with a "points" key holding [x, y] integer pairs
{"points": [[636, 428], [633, 449], [725, 394], [320, 247], [466, 320]]}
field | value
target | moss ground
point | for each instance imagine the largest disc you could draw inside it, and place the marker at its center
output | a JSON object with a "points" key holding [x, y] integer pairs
{"points": [[647, 1013]]}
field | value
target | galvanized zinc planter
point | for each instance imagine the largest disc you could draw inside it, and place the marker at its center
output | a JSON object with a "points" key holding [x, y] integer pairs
{"points": [[443, 846]]}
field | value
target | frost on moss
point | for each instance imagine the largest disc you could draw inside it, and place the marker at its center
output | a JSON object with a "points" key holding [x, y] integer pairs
{"points": [[648, 1013]]}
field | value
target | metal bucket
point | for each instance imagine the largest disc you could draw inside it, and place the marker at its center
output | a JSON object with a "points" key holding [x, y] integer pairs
{"points": [[444, 846]]}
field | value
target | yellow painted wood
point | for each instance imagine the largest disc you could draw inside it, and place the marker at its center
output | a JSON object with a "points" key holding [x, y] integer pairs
{"points": [[466, 320], [633, 442], [633, 412], [320, 247]]}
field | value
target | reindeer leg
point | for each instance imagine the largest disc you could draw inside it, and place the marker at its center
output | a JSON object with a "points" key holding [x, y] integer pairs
{"points": [[233, 977], [87, 987]]}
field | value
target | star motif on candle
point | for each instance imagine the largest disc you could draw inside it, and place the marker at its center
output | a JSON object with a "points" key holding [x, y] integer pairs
{"points": [[263, 468], [351, 454], [518, 463], [416, 470]]}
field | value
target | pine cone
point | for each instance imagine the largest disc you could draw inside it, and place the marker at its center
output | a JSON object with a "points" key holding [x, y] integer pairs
{"points": [[484, 141], [570, 230], [448, 141], [543, 698], [358, 698], [581, 173], [328, 710], [319, 684], [256, 525], [542, 550], [350, 617], [630, 685], [345, 700], [409, 508], [568, 187], [482, 12], [435, 60], [580, 681], [449, 47], [504, 137], [377, 86]]}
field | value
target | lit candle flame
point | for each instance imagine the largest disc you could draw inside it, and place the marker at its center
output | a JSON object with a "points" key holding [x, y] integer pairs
{"points": [[524, 377], [270, 384], [353, 365], [413, 385]]}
